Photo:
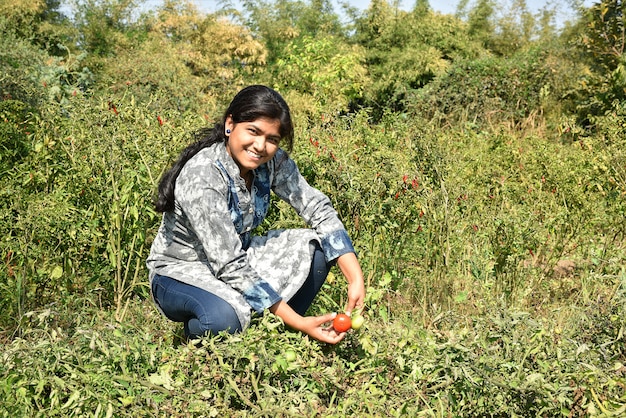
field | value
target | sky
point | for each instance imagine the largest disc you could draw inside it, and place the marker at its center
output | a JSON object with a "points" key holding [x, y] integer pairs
{"points": [[444, 6], [563, 10]]}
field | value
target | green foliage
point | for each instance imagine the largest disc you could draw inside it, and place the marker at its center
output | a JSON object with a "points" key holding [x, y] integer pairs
{"points": [[81, 208], [40, 22], [211, 46], [188, 59], [504, 363], [525, 212], [156, 68], [603, 37], [329, 72], [480, 20], [115, 160], [505, 29], [278, 22], [610, 167], [493, 89], [358, 167], [104, 25], [603, 89], [22, 15], [407, 50], [14, 130], [20, 68], [66, 77], [514, 30], [32, 76]]}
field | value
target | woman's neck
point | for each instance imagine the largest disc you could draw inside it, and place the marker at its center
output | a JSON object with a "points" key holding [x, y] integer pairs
{"points": [[248, 177]]}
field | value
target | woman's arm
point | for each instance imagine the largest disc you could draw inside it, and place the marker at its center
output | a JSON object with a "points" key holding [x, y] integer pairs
{"points": [[310, 325], [351, 269]]}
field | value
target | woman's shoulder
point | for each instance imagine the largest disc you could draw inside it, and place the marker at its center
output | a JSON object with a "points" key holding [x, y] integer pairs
{"points": [[280, 159], [204, 163], [212, 153], [207, 156]]}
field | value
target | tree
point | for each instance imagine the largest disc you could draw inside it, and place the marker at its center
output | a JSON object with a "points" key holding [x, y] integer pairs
{"points": [[325, 69], [604, 36], [375, 22], [277, 23], [602, 42], [190, 58], [104, 25], [480, 21], [406, 50], [41, 22], [210, 45]]}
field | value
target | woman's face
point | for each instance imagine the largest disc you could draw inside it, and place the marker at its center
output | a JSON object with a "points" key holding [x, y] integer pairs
{"points": [[252, 143]]}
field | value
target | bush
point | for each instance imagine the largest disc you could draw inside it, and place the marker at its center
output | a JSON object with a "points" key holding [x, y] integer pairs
{"points": [[406, 50], [20, 68], [81, 211], [491, 90], [15, 127], [329, 74]]}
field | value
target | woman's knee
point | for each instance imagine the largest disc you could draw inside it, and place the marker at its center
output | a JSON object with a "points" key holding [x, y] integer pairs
{"points": [[202, 312], [214, 318], [224, 322]]}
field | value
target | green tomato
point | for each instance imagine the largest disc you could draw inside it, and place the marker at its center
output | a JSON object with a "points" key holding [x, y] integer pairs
{"points": [[357, 322], [290, 356]]}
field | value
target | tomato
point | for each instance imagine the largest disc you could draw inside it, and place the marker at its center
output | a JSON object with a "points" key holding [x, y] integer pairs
{"points": [[342, 323], [290, 356], [357, 321]]}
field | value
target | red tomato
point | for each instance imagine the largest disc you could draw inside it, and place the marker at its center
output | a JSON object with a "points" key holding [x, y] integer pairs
{"points": [[342, 323]]}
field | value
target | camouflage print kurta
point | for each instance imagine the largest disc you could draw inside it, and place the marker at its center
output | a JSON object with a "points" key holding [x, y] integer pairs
{"points": [[206, 240]]}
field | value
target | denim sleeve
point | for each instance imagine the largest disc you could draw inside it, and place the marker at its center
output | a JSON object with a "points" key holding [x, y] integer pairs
{"points": [[337, 244], [261, 296]]}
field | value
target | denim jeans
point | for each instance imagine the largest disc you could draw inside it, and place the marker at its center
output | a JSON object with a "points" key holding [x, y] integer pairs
{"points": [[204, 313]]}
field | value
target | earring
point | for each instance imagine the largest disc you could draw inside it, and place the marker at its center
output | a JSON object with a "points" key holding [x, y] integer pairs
{"points": [[227, 131]]}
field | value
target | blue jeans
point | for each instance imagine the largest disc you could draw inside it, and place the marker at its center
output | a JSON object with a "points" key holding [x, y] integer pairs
{"points": [[204, 313]]}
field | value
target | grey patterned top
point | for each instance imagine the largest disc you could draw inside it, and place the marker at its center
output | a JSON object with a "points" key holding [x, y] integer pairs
{"points": [[206, 240]]}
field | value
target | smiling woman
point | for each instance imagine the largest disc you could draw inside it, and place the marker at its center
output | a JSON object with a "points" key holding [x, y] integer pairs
{"points": [[251, 144], [207, 270]]}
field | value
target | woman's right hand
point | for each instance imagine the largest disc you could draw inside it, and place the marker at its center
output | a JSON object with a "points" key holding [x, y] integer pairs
{"points": [[313, 326]]}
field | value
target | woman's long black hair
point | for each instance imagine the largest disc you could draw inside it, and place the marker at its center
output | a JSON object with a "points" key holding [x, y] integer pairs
{"points": [[250, 104]]}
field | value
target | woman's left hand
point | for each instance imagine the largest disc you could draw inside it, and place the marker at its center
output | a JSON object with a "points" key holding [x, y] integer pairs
{"points": [[351, 269], [356, 296]]}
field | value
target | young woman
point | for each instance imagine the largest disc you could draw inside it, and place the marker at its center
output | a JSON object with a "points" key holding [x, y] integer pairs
{"points": [[206, 269]]}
